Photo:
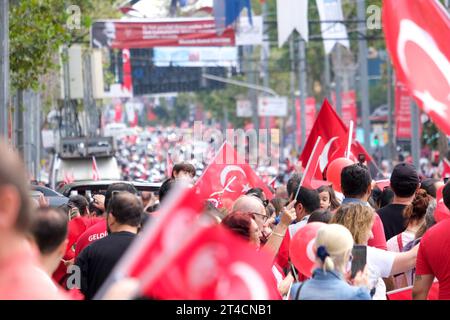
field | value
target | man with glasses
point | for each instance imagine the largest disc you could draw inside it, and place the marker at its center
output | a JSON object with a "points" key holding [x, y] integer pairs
{"points": [[254, 205]]}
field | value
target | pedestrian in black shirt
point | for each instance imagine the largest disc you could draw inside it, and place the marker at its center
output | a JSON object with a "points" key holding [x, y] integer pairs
{"points": [[404, 182], [96, 261]]}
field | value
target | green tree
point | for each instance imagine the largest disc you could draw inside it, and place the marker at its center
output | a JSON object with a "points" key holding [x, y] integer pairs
{"points": [[39, 28]]}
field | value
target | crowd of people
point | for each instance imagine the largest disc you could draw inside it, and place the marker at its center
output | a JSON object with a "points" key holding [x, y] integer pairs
{"points": [[68, 252]]}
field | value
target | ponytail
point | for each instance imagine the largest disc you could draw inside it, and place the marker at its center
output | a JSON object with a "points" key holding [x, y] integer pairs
{"points": [[324, 256]]}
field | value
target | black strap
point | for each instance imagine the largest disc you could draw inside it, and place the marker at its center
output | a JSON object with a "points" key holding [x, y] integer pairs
{"points": [[297, 295]]}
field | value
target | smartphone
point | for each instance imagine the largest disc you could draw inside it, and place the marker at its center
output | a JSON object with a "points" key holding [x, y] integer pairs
{"points": [[359, 260]]}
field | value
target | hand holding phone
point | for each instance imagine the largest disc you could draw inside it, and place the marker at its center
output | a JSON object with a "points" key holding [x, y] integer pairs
{"points": [[359, 259]]}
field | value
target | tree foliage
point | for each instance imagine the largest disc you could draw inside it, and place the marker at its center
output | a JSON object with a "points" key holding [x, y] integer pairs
{"points": [[38, 28]]}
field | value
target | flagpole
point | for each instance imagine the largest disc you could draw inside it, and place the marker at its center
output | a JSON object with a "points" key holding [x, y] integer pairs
{"points": [[307, 167], [350, 138]]}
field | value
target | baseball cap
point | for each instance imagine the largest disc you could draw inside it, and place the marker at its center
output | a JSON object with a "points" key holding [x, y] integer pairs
{"points": [[405, 173]]}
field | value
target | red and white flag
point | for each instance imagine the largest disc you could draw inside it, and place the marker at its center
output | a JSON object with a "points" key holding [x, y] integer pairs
{"points": [[334, 133], [162, 238], [95, 172], [446, 171], [180, 256], [227, 178], [417, 39], [311, 167], [68, 178], [215, 265]]}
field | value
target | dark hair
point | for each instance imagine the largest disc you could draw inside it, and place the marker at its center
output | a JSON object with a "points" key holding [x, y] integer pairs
{"points": [[257, 192], [292, 185], [418, 208], [119, 186], [446, 195], [13, 173], [404, 188], [183, 166], [429, 186], [320, 215], [165, 188], [309, 199], [333, 200], [386, 197], [355, 181], [79, 202], [239, 223], [126, 208], [49, 229]]}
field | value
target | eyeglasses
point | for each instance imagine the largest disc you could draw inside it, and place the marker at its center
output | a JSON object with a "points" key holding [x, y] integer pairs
{"points": [[264, 217]]}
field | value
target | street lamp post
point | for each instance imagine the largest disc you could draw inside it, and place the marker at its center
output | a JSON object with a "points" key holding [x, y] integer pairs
{"points": [[4, 66]]}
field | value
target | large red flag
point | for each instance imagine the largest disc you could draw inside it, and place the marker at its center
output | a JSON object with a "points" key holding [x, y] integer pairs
{"points": [[215, 265], [417, 39], [95, 172], [175, 223], [313, 162], [334, 134], [227, 178]]}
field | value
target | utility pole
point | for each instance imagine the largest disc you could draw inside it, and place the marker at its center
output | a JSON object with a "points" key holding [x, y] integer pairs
{"points": [[363, 80], [327, 77], [302, 79], [251, 76], [265, 53], [391, 145], [338, 79], [415, 139], [4, 66], [292, 90]]}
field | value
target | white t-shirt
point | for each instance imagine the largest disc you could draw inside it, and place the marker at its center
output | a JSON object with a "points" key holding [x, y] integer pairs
{"points": [[293, 228], [379, 263], [392, 245], [407, 237]]}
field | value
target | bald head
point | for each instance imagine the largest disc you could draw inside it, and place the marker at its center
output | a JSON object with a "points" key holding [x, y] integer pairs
{"points": [[249, 204]]}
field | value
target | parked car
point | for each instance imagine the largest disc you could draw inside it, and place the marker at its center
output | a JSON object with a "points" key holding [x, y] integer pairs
{"points": [[55, 199], [89, 187]]}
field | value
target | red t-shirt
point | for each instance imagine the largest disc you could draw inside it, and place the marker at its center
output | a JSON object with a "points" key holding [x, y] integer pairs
{"points": [[433, 257], [379, 239], [21, 278], [92, 234], [76, 228]]}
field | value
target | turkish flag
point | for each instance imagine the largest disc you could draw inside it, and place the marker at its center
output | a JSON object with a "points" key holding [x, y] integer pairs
{"points": [[312, 164], [176, 222], [334, 135], [446, 171], [227, 178], [417, 39], [215, 265], [95, 172], [406, 293]]}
